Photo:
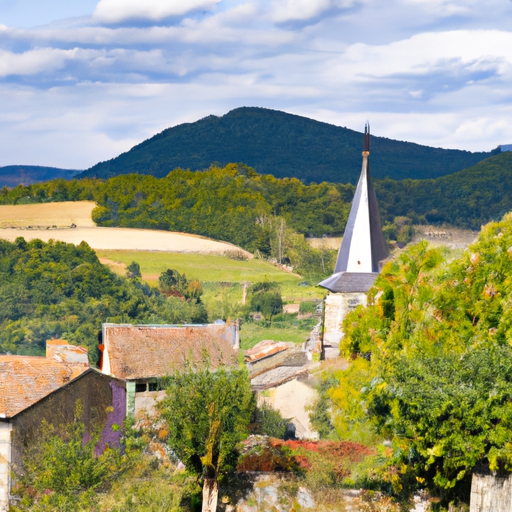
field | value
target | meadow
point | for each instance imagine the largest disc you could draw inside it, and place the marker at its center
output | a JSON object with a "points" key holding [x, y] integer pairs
{"points": [[213, 269], [254, 332], [223, 287], [223, 276]]}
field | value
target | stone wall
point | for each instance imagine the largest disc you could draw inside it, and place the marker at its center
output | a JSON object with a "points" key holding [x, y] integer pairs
{"points": [[5, 460], [490, 493], [283, 492], [337, 306], [103, 400]]}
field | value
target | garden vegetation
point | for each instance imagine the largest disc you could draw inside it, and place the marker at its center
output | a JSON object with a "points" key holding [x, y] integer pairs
{"points": [[431, 367]]}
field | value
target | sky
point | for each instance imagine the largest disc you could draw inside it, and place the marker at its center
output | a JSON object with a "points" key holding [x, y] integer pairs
{"points": [[82, 81]]}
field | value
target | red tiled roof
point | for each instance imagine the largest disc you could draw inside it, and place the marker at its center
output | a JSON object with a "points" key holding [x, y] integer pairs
{"points": [[141, 351], [266, 348], [24, 380]]}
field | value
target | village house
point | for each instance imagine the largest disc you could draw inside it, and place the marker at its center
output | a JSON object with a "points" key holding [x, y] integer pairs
{"points": [[360, 256], [36, 389], [279, 373], [140, 355]]}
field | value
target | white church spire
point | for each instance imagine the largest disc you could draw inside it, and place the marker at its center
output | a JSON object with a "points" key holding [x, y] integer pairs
{"points": [[363, 245]]}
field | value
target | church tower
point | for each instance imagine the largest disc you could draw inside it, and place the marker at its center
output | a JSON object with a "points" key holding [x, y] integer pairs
{"points": [[362, 249]]}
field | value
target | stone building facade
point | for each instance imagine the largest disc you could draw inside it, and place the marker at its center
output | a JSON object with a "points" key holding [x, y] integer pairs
{"points": [[141, 355], [37, 389]]}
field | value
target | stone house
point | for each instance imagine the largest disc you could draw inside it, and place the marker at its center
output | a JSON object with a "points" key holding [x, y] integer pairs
{"points": [[140, 355], [33, 389], [279, 373], [359, 259]]}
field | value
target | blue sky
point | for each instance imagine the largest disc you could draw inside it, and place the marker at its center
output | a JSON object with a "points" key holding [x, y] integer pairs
{"points": [[83, 81]]}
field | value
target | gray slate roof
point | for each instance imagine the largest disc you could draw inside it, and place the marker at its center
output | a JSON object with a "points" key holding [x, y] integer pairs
{"points": [[349, 282], [343, 281], [278, 376], [379, 249]]}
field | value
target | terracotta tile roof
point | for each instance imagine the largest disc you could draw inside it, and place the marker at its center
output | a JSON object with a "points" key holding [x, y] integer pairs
{"points": [[62, 351], [24, 380], [143, 351], [266, 348]]}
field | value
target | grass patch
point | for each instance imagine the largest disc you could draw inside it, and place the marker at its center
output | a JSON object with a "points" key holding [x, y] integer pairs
{"points": [[213, 269], [200, 266], [252, 333]]}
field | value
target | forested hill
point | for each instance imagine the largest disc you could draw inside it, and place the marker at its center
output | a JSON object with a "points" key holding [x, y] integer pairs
{"points": [[468, 199], [231, 203], [284, 145], [13, 175]]}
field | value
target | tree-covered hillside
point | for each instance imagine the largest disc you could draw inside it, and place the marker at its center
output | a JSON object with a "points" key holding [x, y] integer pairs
{"points": [[233, 204], [59, 290], [238, 205], [284, 145], [467, 199], [13, 175]]}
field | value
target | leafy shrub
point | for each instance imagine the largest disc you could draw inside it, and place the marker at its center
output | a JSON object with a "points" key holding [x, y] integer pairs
{"points": [[269, 421], [133, 270], [266, 299], [63, 472], [307, 306]]}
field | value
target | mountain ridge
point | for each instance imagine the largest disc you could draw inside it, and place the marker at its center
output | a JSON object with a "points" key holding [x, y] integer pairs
{"points": [[284, 145], [14, 175]]}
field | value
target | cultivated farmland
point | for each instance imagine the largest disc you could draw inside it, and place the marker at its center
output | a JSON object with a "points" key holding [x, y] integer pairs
{"points": [[54, 220], [60, 215]]}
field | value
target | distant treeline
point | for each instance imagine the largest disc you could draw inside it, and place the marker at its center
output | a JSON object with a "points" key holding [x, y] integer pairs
{"points": [[466, 199], [238, 205]]}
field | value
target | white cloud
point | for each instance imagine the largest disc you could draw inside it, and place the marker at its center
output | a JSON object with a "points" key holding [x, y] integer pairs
{"points": [[32, 62], [445, 7], [288, 10], [449, 53], [82, 91], [116, 11]]}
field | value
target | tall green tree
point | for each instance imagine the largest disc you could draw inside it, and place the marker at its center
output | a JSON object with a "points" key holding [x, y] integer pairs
{"points": [[208, 413]]}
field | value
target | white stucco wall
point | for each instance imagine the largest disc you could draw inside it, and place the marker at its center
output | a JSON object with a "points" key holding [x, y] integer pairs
{"points": [[291, 399], [337, 306], [145, 403], [5, 462]]}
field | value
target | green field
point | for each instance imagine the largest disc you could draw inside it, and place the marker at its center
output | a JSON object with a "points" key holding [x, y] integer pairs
{"points": [[213, 269], [252, 333], [201, 266]]}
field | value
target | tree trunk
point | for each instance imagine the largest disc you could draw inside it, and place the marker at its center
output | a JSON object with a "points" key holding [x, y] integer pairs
{"points": [[210, 495]]}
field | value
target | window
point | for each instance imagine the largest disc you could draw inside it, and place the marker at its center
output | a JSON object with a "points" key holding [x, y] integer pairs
{"points": [[141, 387]]}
